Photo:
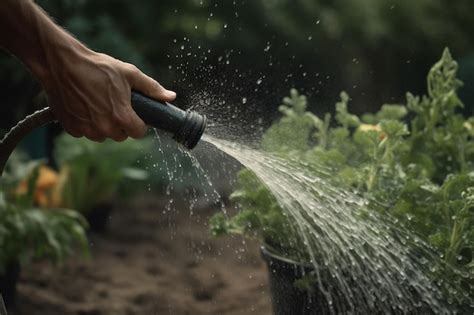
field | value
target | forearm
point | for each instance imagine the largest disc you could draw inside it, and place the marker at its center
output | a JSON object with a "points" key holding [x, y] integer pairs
{"points": [[27, 32]]}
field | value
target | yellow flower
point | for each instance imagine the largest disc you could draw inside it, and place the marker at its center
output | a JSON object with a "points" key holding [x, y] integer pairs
{"points": [[57, 192], [369, 127], [47, 180], [467, 125]]}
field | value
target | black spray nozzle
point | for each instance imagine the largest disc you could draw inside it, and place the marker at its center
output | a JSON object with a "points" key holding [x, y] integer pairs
{"points": [[186, 127]]}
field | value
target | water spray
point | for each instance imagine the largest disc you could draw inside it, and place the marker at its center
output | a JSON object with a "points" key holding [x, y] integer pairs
{"points": [[186, 127]]}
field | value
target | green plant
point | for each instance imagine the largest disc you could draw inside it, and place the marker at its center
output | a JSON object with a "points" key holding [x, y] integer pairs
{"points": [[262, 217], [28, 232], [92, 172], [417, 158]]}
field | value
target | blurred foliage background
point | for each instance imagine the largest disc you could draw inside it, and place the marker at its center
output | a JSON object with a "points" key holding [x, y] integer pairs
{"points": [[237, 57]]}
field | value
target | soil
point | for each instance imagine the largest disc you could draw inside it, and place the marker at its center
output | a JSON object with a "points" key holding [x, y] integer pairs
{"points": [[151, 261]]}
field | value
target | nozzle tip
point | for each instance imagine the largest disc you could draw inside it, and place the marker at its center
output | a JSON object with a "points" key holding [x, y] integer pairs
{"points": [[191, 131]]}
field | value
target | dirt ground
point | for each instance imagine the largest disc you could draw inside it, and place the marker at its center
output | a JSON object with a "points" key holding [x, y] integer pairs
{"points": [[151, 263]]}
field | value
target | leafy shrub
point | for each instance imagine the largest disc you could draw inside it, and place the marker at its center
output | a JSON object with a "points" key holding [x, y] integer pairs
{"points": [[416, 157], [91, 172], [28, 232]]}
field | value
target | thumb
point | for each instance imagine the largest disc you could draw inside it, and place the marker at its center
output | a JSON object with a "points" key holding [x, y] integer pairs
{"points": [[150, 87]]}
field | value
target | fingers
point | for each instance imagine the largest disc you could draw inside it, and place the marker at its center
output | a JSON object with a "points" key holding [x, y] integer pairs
{"points": [[132, 125], [148, 86], [73, 131], [109, 129], [119, 136], [94, 132], [118, 126], [129, 120], [71, 128]]}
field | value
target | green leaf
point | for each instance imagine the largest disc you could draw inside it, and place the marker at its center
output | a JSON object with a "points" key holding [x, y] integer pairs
{"points": [[391, 112], [343, 117], [135, 173]]}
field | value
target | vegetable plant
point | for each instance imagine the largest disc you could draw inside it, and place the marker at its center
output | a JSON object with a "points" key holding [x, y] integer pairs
{"points": [[28, 232], [416, 157], [91, 173]]}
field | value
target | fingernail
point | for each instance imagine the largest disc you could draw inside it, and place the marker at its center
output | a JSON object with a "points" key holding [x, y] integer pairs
{"points": [[171, 93]]}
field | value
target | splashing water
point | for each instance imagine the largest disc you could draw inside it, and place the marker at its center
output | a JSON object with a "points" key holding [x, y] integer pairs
{"points": [[174, 173], [370, 266]]}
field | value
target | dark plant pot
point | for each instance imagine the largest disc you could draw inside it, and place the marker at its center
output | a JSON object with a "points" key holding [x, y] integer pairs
{"points": [[8, 281], [98, 216], [288, 298]]}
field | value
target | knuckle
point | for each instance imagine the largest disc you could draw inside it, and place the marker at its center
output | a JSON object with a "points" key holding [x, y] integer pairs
{"points": [[75, 132], [133, 70], [155, 88], [95, 137], [130, 123], [121, 120], [137, 133], [120, 137], [104, 129], [93, 134]]}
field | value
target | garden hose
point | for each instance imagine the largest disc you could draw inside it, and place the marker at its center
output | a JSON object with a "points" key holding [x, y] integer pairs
{"points": [[186, 127], [11, 140], [3, 308], [20, 130]]}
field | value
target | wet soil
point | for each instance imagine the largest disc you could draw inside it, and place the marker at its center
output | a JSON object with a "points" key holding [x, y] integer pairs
{"points": [[151, 261]]}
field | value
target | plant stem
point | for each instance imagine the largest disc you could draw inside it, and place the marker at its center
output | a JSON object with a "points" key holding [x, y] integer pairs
{"points": [[455, 240], [373, 171]]}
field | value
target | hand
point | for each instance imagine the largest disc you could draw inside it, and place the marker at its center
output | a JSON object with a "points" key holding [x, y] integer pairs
{"points": [[90, 95], [88, 92]]}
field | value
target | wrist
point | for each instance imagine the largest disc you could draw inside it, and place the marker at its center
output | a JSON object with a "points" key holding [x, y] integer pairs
{"points": [[57, 56], [44, 47], [27, 32]]}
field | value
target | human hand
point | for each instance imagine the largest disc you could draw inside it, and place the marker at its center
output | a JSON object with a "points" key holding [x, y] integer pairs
{"points": [[90, 94]]}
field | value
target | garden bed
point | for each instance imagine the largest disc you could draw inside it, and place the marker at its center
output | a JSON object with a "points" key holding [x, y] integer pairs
{"points": [[152, 263]]}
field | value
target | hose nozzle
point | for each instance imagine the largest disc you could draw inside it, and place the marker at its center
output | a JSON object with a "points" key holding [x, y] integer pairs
{"points": [[186, 127]]}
